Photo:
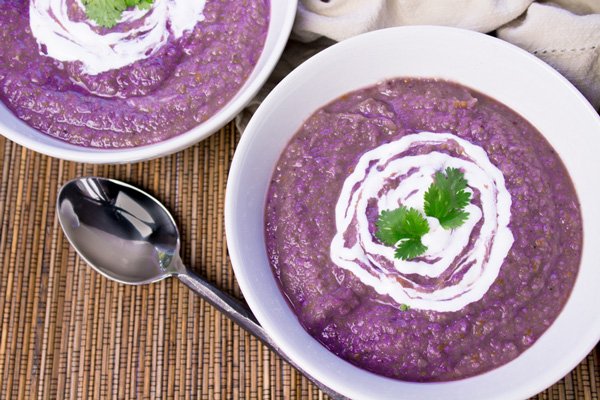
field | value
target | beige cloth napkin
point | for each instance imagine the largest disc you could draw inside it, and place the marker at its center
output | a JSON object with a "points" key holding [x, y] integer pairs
{"points": [[563, 33], [341, 19]]}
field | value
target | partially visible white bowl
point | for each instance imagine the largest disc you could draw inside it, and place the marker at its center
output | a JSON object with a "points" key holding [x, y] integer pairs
{"points": [[484, 63], [281, 21]]}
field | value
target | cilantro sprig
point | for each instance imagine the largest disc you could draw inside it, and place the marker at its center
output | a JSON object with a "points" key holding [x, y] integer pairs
{"points": [[107, 13], [445, 199], [403, 228]]}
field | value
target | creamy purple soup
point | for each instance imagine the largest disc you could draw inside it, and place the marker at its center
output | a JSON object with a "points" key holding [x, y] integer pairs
{"points": [[173, 67], [484, 293]]}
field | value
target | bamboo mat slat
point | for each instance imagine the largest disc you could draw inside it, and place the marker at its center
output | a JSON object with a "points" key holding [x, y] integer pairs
{"points": [[68, 333]]}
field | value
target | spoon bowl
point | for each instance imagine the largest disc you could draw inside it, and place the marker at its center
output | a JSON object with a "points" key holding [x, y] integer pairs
{"points": [[120, 231]]}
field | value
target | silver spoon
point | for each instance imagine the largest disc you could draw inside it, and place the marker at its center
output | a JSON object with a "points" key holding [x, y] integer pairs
{"points": [[130, 237]]}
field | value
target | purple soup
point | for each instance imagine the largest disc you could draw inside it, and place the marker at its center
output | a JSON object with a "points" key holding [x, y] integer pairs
{"points": [[182, 76], [484, 293]]}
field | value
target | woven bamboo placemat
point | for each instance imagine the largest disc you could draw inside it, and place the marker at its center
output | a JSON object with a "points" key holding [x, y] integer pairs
{"points": [[67, 332]]}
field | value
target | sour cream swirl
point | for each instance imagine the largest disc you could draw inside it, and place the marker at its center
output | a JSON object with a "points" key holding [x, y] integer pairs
{"points": [[460, 265], [64, 39]]}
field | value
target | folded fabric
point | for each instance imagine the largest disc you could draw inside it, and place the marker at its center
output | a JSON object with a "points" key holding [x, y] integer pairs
{"points": [[341, 19], [564, 33]]}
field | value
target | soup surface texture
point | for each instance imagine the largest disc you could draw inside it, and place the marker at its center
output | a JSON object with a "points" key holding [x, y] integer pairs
{"points": [[157, 73], [482, 293]]}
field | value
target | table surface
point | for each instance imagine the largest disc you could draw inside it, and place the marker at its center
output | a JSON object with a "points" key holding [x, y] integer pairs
{"points": [[66, 332]]}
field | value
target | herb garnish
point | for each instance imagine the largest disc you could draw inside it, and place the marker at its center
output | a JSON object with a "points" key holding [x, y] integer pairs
{"points": [[107, 13], [445, 200], [403, 228]]}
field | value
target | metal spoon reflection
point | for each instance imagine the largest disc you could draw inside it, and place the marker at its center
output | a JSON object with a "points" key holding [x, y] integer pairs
{"points": [[128, 236]]}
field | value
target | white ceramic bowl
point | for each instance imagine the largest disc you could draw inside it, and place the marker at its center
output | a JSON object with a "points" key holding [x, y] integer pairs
{"points": [[281, 21], [506, 73]]}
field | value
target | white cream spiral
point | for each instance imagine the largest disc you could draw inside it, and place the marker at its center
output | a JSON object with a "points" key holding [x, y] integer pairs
{"points": [[67, 40], [460, 265]]}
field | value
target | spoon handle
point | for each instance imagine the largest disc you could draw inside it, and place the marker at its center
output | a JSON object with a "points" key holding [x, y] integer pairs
{"points": [[239, 313], [227, 304]]}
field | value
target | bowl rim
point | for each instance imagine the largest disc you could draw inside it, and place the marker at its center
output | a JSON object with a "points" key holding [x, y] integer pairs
{"points": [[589, 340], [61, 149]]}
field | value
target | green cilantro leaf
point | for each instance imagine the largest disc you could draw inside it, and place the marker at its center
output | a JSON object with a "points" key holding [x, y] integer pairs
{"points": [[107, 13], [145, 4], [403, 228], [409, 249], [404, 307], [446, 198], [401, 223]]}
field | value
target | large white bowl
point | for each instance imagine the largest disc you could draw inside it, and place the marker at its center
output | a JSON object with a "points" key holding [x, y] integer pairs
{"points": [[508, 74], [281, 21]]}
